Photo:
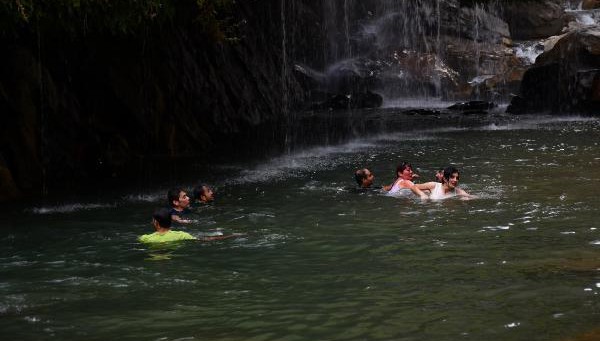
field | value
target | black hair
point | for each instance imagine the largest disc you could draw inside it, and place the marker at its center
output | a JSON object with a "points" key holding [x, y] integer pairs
{"points": [[173, 195], [448, 171], [163, 217], [199, 190], [359, 175], [401, 167]]}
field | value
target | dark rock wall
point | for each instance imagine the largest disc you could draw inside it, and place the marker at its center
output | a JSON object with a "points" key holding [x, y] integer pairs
{"points": [[89, 106]]}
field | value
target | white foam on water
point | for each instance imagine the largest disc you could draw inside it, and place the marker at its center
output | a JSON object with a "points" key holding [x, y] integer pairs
{"points": [[146, 197], [495, 228], [528, 51], [421, 103], [68, 208], [298, 163], [534, 122]]}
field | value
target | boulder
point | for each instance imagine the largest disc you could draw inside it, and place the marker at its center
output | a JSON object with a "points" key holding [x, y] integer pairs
{"points": [[8, 187], [535, 19], [355, 100], [472, 106], [590, 4], [564, 79]]}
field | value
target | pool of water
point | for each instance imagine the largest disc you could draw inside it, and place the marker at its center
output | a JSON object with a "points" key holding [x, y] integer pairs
{"points": [[322, 261]]}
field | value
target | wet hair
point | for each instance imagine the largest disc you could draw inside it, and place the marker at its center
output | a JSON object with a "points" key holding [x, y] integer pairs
{"points": [[439, 171], [173, 195], [448, 171], [163, 217], [199, 190], [401, 167], [359, 175]]}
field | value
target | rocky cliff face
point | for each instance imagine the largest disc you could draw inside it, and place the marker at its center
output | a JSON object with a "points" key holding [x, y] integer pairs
{"points": [[94, 105], [89, 106]]}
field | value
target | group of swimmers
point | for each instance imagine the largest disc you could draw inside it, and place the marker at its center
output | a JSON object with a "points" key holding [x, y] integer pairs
{"points": [[445, 186], [179, 205]]}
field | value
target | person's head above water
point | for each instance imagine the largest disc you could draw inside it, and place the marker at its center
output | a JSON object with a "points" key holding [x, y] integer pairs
{"points": [[451, 176], [203, 193], [178, 198], [439, 175], [161, 218], [405, 171], [364, 178]]}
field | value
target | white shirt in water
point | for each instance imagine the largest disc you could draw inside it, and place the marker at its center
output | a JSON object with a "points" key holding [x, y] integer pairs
{"points": [[438, 192], [397, 191]]}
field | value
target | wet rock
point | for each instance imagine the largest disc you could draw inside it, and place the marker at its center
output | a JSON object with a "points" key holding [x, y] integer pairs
{"points": [[590, 4], [472, 106], [350, 101], [535, 19], [422, 112], [8, 187], [566, 78]]}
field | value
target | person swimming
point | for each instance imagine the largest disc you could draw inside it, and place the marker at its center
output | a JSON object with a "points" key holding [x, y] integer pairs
{"points": [[202, 194], [448, 187], [179, 202], [403, 182], [364, 178], [161, 220]]}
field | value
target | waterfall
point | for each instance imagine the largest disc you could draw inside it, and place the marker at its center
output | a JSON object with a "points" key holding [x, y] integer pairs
{"points": [[43, 119], [412, 49], [284, 60]]}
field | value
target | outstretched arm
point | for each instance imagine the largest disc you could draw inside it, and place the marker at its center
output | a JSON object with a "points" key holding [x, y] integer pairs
{"points": [[463, 194], [418, 192], [426, 186], [178, 219]]}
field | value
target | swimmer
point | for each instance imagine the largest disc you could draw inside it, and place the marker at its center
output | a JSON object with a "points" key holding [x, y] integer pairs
{"points": [[364, 178], [448, 187], [439, 175], [161, 220], [403, 182], [203, 194], [179, 202]]}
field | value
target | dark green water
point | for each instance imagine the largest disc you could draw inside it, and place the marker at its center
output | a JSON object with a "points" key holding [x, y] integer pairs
{"points": [[323, 262]]}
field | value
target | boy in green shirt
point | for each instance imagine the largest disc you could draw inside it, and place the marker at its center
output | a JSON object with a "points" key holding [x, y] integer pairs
{"points": [[161, 220]]}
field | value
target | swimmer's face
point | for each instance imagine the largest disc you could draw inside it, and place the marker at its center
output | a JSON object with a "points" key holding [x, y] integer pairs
{"points": [[453, 180], [184, 200], [439, 176], [368, 179], [207, 195], [407, 173]]}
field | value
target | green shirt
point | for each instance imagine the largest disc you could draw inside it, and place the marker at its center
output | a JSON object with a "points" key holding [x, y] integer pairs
{"points": [[171, 236]]}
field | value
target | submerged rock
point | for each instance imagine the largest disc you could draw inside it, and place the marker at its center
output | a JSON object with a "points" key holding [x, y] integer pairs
{"points": [[350, 101], [472, 106]]}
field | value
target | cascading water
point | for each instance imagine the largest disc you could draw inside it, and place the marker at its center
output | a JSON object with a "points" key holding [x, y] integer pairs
{"points": [[579, 18], [414, 49]]}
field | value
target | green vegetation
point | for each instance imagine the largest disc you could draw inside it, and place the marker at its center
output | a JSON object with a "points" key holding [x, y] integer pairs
{"points": [[80, 17]]}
